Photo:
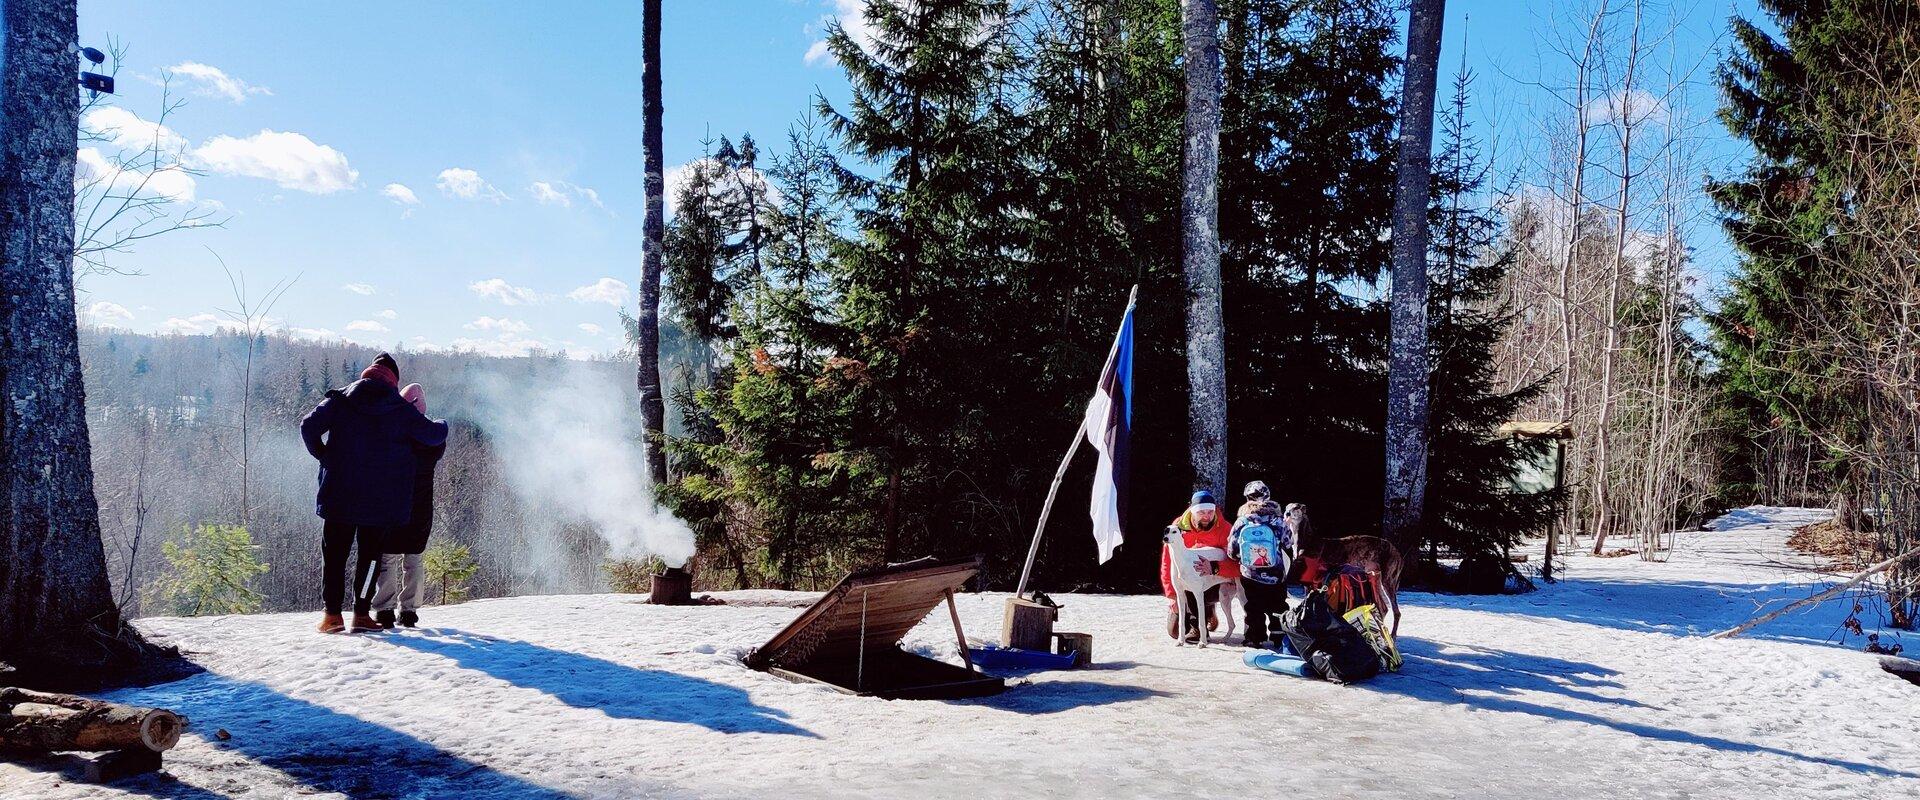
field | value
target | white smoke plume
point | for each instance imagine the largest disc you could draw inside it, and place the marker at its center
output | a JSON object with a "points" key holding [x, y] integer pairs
{"points": [[570, 447]]}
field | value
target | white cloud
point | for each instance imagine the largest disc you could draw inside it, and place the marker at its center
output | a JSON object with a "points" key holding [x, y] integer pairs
{"points": [[1633, 106], [366, 325], [94, 169], [548, 196], [504, 347], [851, 15], [606, 290], [503, 325], [388, 314], [817, 53], [312, 334], [399, 193], [289, 159], [106, 314], [591, 329], [467, 185], [127, 131], [360, 288], [504, 292], [723, 186], [196, 324], [563, 194], [207, 80]]}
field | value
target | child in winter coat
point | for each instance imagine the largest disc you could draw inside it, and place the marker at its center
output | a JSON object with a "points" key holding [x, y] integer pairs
{"points": [[401, 576], [1262, 543], [1200, 526]]}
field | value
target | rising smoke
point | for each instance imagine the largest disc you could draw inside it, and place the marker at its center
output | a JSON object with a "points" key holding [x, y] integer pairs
{"points": [[569, 450]]}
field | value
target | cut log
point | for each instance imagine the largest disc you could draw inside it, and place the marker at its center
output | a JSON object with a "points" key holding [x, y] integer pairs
{"points": [[51, 722], [1028, 625], [1903, 667]]}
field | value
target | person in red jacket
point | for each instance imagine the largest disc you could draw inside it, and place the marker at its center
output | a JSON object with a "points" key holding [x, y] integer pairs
{"points": [[1200, 526]]}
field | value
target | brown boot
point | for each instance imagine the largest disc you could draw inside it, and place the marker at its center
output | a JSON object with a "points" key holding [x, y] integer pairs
{"points": [[365, 624], [331, 623]]}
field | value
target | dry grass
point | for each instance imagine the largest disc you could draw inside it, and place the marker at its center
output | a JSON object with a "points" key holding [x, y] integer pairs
{"points": [[1846, 549]]}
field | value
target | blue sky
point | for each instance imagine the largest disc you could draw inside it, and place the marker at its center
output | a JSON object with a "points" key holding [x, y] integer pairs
{"points": [[515, 129]]}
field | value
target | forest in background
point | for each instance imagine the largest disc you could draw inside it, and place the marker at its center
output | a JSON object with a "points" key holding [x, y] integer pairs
{"points": [[893, 315], [541, 487]]}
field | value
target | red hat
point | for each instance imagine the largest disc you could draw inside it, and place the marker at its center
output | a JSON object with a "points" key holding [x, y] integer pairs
{"points": [[379, 372]]}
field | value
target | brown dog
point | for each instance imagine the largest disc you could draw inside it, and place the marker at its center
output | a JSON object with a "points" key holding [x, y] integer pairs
{"points": [[1375, 555]]}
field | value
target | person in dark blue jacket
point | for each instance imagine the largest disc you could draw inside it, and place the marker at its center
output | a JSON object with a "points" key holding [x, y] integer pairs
{"points": [[364, 437]]}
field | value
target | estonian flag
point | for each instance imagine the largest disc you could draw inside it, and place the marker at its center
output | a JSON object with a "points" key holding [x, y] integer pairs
{"points": [[1109, 425]]}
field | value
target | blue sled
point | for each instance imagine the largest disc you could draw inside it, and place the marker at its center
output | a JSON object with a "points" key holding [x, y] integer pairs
{"points": [[1278, 662], [1015, 658]]}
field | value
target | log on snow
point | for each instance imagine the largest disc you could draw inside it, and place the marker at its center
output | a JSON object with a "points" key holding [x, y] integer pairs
{"points": [[1766, 618], [1903, 667], [49, 722]]}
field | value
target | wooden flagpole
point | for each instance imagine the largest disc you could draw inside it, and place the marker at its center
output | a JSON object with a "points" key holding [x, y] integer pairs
{"points": [[1079, 435]]}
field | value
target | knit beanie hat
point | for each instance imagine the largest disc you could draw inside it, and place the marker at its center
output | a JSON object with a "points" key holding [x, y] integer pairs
{"points": [[1203, 499]]}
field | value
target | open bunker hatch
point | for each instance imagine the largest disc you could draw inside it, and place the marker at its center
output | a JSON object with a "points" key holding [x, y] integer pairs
{"points": [[850, 638]]}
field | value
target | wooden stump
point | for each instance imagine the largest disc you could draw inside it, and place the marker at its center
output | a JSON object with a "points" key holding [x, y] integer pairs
{"points": [[1028, 625], [1079, 645]]}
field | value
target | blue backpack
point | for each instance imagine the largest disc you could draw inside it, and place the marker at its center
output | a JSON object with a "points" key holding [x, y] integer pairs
{"points": [[1264, 548]]}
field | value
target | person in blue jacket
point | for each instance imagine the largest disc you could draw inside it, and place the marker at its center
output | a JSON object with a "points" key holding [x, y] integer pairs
{"points": [[364, 437]]}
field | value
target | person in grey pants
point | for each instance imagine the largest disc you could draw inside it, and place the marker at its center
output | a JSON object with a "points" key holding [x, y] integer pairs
{"points": [[401, 576]]}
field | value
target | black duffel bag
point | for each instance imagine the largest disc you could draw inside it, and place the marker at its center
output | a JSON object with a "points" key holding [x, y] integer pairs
{"points": [[1335, 649]]}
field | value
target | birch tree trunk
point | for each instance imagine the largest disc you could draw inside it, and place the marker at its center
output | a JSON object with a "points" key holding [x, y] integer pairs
{"points": [[1603, 516], [1200, 247], [59, 626], [1407, 378], [653, 408]]}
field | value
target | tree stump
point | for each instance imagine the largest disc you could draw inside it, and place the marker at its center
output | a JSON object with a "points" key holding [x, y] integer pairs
{"points": [[1028, 625]]}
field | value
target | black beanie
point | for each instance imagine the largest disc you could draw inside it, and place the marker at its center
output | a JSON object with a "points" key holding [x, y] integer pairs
{"points": [[387, 361]]}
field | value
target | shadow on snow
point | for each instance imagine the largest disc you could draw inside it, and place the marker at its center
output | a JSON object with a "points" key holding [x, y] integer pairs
{"points": [[1492, 680], [1675, 608], [620, 691], [315, 746]]}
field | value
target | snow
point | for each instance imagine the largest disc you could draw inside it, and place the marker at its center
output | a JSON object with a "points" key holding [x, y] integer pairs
{"points": [[1600, 685]]}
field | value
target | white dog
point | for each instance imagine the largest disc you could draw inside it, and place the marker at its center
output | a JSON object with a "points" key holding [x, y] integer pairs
{"points": [[1193, 571]]}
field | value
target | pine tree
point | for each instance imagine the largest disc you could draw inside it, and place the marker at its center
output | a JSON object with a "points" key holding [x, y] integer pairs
{"points": [[1471, 510], [926, 294], [1306, 187]]}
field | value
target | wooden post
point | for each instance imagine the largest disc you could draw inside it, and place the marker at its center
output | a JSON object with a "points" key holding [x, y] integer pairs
{"points": [[860, 658], [1046, 508], [959, 635]]}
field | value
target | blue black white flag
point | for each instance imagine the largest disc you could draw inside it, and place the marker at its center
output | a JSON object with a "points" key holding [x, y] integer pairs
{"points": [[1109, 426]]}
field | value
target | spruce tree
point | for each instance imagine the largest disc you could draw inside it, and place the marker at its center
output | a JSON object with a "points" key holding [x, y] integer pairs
{"points": [[1788, 98], [1306, 189], [927, 302], [1471, 511]]}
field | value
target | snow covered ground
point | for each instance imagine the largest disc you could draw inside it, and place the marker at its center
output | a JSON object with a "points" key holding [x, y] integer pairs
{"points": [[1599, 686]]}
